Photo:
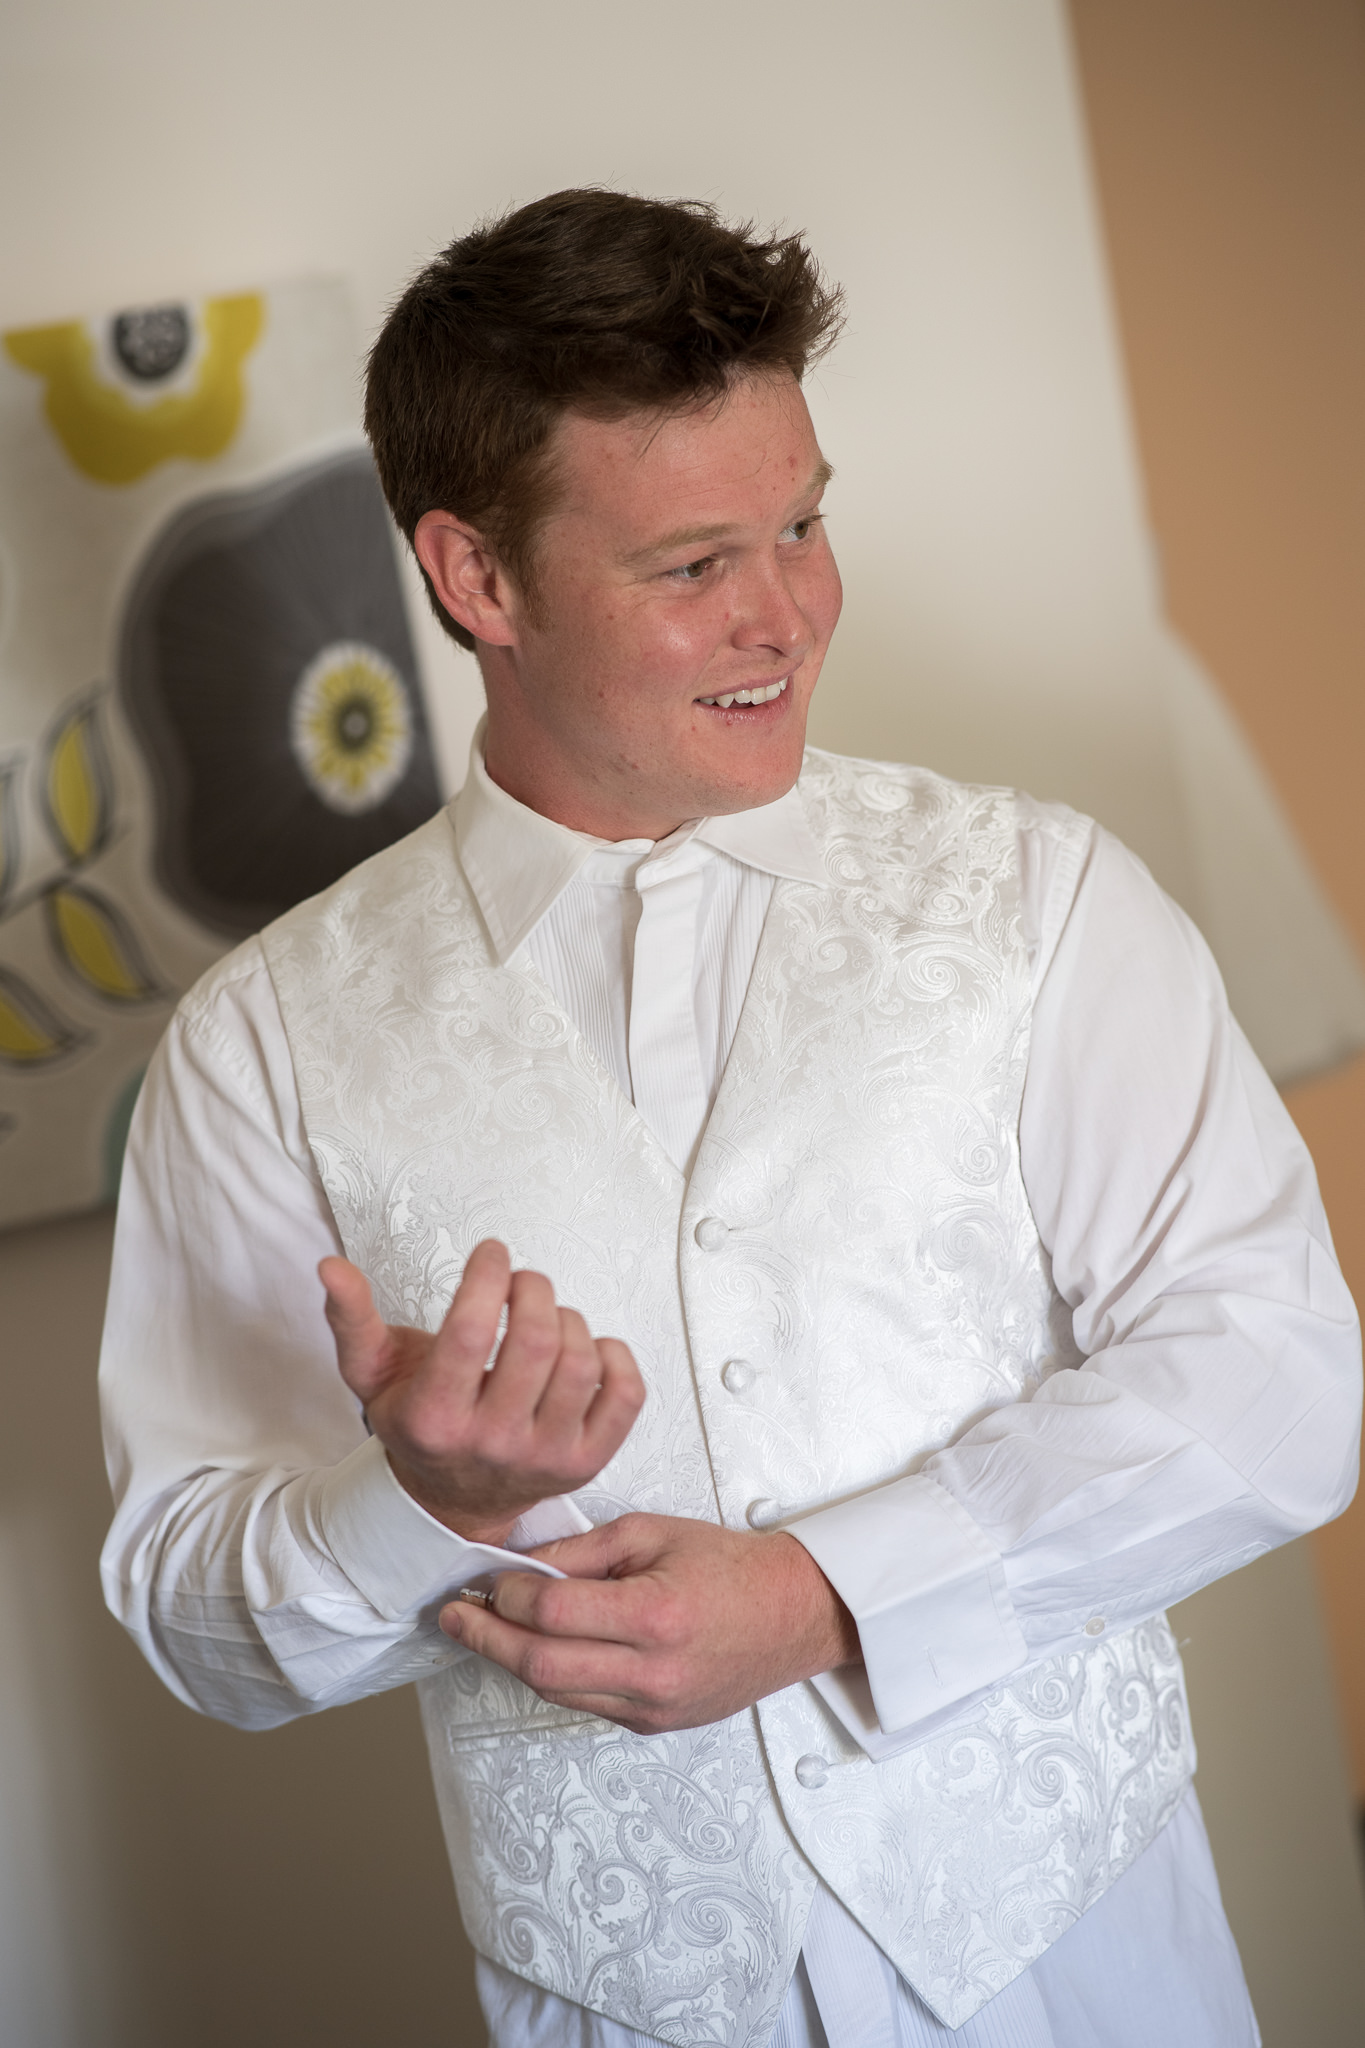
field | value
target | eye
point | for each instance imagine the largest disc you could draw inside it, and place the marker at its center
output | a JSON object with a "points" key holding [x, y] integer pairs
{"points": [[692, 572], [801, 529]]}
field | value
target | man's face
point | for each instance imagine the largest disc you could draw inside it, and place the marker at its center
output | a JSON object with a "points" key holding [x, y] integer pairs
{"points": [[684, 569]]}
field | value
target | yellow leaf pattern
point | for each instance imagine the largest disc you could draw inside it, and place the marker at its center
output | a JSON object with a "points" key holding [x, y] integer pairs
{"points": [[97, 943], [30, 1030], [117, 438], [78, 788]]}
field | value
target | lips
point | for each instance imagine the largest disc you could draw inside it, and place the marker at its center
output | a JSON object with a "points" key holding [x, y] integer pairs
{"points": [[763, 695]]}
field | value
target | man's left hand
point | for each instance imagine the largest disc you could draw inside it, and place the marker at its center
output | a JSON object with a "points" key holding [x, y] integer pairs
{"points": [[662, 1623]]}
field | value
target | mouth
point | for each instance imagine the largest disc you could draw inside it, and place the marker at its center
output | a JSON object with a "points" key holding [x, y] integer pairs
{"points": [[765, 694]]}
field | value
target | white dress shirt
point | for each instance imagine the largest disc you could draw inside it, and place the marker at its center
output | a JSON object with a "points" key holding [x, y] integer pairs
{"points": [[268, 1561]]}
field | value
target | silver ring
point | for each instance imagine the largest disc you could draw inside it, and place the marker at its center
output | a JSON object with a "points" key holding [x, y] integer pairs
{"points": [[474, 1596]]}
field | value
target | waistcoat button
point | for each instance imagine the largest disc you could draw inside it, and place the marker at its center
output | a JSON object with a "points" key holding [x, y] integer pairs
{"points": [[1095, 1625], [711, 1233], [760, 1514], [736, 1375], [812, 1772]]}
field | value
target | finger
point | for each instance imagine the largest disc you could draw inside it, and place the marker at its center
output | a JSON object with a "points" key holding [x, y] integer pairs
{"points": [[551, 1667], [526, 1356], [573, 1383], [362, 1338], [619, 1398], [597, 1610], [616, 1549], [469, 1330]]}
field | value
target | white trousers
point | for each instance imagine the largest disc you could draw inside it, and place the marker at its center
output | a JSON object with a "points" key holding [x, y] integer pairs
{"points": [[1151, 1965]]}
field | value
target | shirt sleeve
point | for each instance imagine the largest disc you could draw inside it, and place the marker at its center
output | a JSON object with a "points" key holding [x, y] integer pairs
{"points": [[1216, 1410], [262, 1552]]}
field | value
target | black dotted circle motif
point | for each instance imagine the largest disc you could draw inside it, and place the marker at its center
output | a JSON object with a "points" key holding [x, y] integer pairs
{"points": [[152, 341]]}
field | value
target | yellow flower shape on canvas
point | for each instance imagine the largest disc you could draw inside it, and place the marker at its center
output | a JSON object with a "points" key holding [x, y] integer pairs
{"points": [[117, 435]]}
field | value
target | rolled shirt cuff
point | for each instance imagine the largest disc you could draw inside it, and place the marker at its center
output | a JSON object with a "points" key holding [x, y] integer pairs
{"points": [[927, 1591], [401, 1558]]}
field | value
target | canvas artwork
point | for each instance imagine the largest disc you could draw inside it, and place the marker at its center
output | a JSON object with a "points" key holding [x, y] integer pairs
{"points": [[210, 703]]}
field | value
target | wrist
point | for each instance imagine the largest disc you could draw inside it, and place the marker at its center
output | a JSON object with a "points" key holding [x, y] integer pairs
{"points": [[830, 1635], [473, 1523]]}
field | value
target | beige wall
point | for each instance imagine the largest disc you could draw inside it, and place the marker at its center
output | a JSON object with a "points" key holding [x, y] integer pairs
{"points": [[1229, 142], [170, 1883]]}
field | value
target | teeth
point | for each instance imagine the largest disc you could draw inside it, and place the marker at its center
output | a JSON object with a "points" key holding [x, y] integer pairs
{"points": [[760, 696]]}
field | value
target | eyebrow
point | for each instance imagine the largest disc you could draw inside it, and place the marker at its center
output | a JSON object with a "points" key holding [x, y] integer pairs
{"points": [[702, 536]]}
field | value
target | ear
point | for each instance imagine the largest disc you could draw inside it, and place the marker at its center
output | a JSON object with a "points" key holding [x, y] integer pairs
{"points": [[470, 582]]}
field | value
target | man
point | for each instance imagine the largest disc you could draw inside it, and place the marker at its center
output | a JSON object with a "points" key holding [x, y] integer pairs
{"points": [[968, 1291]]}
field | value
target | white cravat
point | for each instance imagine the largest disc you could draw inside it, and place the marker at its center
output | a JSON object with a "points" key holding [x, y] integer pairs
{"points": [[650, 949], [648, 945], [666, 1082]]}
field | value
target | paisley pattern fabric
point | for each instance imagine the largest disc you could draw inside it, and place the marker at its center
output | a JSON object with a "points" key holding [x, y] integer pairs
{"points": [[624, 1871], [881, 1274], [967, 1856]]}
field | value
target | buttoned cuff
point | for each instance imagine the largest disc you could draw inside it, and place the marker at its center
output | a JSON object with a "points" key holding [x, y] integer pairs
{"points": [[927, 1591], [401, 1558]]}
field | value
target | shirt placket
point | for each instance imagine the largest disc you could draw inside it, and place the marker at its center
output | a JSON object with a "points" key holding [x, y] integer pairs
{"points": [[666, 1079]]}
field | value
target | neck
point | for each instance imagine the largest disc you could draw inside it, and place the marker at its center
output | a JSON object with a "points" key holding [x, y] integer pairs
{"points": [[553, 776], [572, 802]]}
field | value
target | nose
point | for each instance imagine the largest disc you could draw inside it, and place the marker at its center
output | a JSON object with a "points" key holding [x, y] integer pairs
{"points": [[771, 618]]}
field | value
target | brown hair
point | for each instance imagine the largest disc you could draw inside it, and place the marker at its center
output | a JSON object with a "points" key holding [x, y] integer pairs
{"points": [[591, 301]]}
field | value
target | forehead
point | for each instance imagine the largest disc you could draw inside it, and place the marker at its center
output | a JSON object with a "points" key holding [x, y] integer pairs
{"points": [[738, 459]]}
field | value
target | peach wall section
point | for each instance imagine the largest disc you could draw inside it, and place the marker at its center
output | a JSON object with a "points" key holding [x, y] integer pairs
{"points": [[1229, 146]]}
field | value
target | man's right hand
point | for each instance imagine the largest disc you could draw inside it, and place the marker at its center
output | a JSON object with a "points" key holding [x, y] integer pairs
{"points": [[476, 1448]]}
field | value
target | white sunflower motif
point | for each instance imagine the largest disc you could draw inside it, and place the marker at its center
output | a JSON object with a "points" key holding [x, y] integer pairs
{"points": [[350, 725]]}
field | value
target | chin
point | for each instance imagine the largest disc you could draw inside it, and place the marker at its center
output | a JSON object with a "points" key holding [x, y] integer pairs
{"points": [[719, 797]]}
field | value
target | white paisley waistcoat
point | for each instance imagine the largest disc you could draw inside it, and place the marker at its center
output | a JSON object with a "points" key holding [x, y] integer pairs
{"points": [[880, 1271]]}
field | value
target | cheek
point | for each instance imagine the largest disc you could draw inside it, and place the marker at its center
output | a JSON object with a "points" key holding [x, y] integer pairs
{"points": [[598, 649], [679, 641], [821, 596]]}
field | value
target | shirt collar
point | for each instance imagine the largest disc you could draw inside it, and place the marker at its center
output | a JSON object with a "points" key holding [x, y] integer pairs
{"points": [[775, 837], [519, 862]]}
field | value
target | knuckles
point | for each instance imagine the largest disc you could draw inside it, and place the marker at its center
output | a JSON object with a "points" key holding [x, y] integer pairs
{"points": [[670, 1623], [538, 1342], [470, 1331], [658, 1715], [647, 1723], [630, 1394], [538, 1669], [661, 1698], [548, 1608]]}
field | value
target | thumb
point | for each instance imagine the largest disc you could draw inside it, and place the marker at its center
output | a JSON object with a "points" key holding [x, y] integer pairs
{"points": [[362, 1338]]}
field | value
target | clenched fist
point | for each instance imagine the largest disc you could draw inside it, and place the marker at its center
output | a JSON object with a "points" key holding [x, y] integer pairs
{"points": [[477, 1447]]}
